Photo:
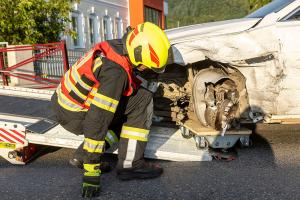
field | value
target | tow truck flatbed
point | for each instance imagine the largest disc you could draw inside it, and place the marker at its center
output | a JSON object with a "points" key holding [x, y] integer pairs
{"points": [[164, 143]]}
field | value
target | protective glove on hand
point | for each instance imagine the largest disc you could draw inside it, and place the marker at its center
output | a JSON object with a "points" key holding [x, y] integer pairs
{"points": [[91, 180]]}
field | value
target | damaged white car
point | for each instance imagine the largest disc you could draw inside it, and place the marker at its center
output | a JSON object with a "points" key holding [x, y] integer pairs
{"points": [[242, 69]]}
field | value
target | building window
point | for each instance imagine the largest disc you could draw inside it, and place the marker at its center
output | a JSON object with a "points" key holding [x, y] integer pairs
{"points": [[119, 27], [75, 28], [153, 15]]}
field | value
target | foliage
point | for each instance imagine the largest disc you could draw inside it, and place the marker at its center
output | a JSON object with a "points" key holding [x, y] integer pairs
{"points": [[255, 4], [33, 21], [186, 12]]}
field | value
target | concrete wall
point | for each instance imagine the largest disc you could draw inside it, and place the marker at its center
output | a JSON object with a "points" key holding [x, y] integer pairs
{"points": [[15, 57]]}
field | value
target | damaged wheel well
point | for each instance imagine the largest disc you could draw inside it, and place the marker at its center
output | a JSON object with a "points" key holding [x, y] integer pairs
{"points": [[183, 93], [219, 94]]}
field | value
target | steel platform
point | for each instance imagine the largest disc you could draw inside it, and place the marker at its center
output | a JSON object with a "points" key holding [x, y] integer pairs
{"points": [[164, 143]]}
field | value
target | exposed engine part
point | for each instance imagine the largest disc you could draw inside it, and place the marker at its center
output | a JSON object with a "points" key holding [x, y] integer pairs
{"points": [[172, 98], [222, 104], [209, 92], [256, 116], [220, 98]]}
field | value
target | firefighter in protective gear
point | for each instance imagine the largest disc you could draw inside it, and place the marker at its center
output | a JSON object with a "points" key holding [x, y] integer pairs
{"points": [[101, 98]]}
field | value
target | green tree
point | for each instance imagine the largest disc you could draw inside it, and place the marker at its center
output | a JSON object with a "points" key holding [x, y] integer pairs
{"points": [[186, 12], [33, 21], [255, 4]]}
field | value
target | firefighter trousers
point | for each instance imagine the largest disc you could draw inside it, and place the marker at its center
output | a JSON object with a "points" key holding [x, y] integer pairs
{"points": [[130, 127]]}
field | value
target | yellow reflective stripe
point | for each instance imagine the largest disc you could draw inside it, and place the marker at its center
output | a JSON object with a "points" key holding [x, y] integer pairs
{"points": [[88, 56], [107, 139], [76, 66], [135, 133], [94, 91], [77, 78], [140, 130], [143, 139], [92, 173], [66, 103], [104, 107], [65, 106], [106, 98], [91, 167], [105, 102], [111, 137], [94, 142], [97, 63], [71, 87], [92, 149], [93, 146], [114, 136], [65, 77], [89, 100]]}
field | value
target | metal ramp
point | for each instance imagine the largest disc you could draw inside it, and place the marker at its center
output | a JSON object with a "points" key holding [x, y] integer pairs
{"points": [[164, 143]]}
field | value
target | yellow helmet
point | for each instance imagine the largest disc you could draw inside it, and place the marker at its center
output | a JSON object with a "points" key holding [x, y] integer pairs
{"points": [[148, 45]]}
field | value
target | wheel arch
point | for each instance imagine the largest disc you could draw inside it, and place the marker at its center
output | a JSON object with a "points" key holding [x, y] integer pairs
{"points": [[213, 74]]}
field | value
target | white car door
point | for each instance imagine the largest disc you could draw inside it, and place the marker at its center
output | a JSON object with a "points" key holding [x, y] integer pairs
{"points": [[288, 33]]}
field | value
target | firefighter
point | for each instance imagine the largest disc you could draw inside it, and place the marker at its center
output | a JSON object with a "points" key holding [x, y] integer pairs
{"points": [[101, 98]]}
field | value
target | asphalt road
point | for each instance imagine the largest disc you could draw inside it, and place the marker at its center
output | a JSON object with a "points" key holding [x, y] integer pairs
{"points": [[268, 170]]}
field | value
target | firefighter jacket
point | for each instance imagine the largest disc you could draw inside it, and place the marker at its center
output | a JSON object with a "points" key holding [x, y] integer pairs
{"points": [[93, 87]]}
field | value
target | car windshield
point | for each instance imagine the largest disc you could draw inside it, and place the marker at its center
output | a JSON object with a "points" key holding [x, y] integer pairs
{"points": [[274, 6]]}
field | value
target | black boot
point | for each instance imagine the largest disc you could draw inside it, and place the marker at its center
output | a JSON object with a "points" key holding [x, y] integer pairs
{"points": [[146, 171]]}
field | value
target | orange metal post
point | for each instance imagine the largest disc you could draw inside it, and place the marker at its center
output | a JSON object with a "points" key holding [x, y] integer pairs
{"points": [[136, 10]]}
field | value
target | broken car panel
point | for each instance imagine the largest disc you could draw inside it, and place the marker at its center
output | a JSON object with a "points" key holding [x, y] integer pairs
{"points": [[253, 65]]}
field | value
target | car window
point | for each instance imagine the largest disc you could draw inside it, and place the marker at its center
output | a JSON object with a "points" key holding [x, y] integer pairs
{"points": [[294, 16], [274, 6]]}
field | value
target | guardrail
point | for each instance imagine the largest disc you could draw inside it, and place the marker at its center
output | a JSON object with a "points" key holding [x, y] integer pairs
{"points": [[41, 54]]}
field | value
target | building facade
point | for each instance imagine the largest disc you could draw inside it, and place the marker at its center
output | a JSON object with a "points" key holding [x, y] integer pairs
{"points": [[94, 21]]}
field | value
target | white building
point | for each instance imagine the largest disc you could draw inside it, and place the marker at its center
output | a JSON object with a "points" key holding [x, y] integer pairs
{"points": [[97, 20]]}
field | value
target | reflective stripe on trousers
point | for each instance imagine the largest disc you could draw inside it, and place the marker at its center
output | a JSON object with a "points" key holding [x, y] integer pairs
{"points": [[111, 138], [93, 146], [135, 133], [130, 154], [135, 137]]}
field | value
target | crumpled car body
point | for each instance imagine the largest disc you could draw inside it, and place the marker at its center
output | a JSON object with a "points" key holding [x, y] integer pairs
{"points": [[264, 49]]}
